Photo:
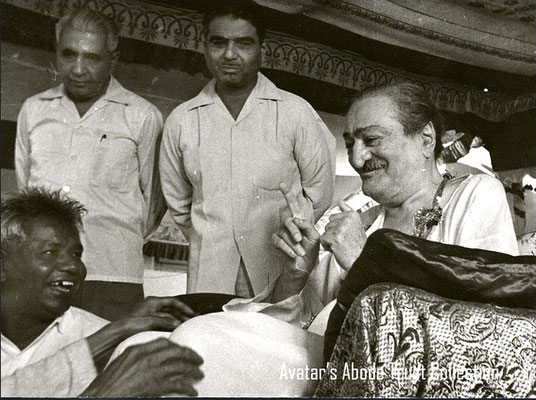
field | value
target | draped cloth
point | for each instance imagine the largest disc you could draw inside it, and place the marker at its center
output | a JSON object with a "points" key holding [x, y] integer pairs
{"points": [[398, 341], [451, 271], [247, 354]]}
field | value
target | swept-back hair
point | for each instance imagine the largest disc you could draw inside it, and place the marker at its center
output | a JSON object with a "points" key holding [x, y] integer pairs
{"points": [[87, 20], [415, 109], [247, 10], [32, 203]]}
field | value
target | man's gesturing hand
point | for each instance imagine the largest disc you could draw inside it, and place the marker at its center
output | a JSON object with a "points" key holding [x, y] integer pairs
{"points": [[344, 236], [297, 236]]}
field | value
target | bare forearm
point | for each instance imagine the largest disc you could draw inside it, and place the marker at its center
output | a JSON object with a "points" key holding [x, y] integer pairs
{"points": [[103, 343]]}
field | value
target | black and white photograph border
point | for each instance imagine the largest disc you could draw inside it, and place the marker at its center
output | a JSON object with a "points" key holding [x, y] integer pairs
{"points": [[402, 336]]}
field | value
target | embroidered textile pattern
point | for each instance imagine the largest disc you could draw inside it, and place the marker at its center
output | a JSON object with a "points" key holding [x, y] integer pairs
{"points": [[398, 341]]}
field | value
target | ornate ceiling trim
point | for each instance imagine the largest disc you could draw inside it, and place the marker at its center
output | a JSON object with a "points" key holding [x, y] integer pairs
{"points": [[182, 29], [413, 29], [444, 28]]}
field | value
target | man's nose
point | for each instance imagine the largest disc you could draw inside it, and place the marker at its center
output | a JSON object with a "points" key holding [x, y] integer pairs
{"points": [[79, 66], [70, 263], [230, 51], [360, 153]]}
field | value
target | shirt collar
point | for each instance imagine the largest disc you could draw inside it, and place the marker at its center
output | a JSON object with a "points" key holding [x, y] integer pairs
{"points": [[61, 323], [115, 93], [264, 89]]}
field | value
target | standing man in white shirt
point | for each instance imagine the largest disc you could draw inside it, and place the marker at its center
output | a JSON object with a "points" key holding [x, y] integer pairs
{"points": [[96, 141], [225, 153]]}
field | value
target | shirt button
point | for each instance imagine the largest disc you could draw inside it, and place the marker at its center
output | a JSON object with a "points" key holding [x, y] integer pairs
{"points": [[66, 189], [73, 157], [241, 237]]}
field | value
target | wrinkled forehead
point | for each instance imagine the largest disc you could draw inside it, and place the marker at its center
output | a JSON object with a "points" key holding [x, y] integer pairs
{"points": [[372, 111], [88, 41]]}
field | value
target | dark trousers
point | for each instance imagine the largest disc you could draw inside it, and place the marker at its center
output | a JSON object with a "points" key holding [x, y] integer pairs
{"points": [[109, 300]]}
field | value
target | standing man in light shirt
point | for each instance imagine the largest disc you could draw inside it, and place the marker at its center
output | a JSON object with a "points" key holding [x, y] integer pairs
{"points": [[96, 141], [225, 153]]}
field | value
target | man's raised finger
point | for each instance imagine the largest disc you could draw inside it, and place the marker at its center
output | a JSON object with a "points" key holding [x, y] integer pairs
{"points": [[291, 251]]}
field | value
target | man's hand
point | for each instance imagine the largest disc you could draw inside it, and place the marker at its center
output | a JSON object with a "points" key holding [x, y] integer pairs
{"points": [[161, 313], [344, 236], [297, 236], [153, 314], [157, 368], [298, 239]]}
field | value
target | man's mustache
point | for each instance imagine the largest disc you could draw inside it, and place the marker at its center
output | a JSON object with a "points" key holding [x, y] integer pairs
{"points": [[371, 165]]}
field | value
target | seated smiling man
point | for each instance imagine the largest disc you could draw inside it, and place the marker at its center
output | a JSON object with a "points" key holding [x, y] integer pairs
{"points": [[41, 272], [391, 134]]}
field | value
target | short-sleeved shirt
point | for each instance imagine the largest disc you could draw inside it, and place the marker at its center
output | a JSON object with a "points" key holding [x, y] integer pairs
{"points": [[104, 159], [75, 324]]}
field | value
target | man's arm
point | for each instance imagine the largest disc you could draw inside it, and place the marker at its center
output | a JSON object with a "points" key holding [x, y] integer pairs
{"points": [[149, 177], [315, 154], [175, 183], [157, 368], [73, 367], [22, 148], [155, 313]]}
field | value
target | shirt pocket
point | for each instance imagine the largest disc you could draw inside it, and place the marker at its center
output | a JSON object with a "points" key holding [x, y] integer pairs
{"points": [[272, 168], [49, 153], [115, 156]]}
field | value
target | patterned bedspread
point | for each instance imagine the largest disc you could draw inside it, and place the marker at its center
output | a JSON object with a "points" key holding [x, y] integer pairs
{"points": [[398, 341]]}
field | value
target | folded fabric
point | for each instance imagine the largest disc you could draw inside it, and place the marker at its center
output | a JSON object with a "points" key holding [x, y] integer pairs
{"points": [[450, 271]]}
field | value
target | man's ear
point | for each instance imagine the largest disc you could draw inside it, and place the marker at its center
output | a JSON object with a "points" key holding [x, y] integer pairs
{"points": [[428, 136]]}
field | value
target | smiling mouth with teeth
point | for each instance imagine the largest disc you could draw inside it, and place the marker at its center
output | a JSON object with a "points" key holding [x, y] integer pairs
{"points": [[63, 285]]}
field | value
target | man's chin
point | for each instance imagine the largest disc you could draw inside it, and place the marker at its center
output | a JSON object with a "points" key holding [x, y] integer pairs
{"points": [[57, 310], [233, 81], [79, 95], [373, 188]]}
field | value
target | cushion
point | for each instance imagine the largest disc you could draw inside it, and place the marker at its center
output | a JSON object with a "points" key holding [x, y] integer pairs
{"points": [[450, 271]]}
